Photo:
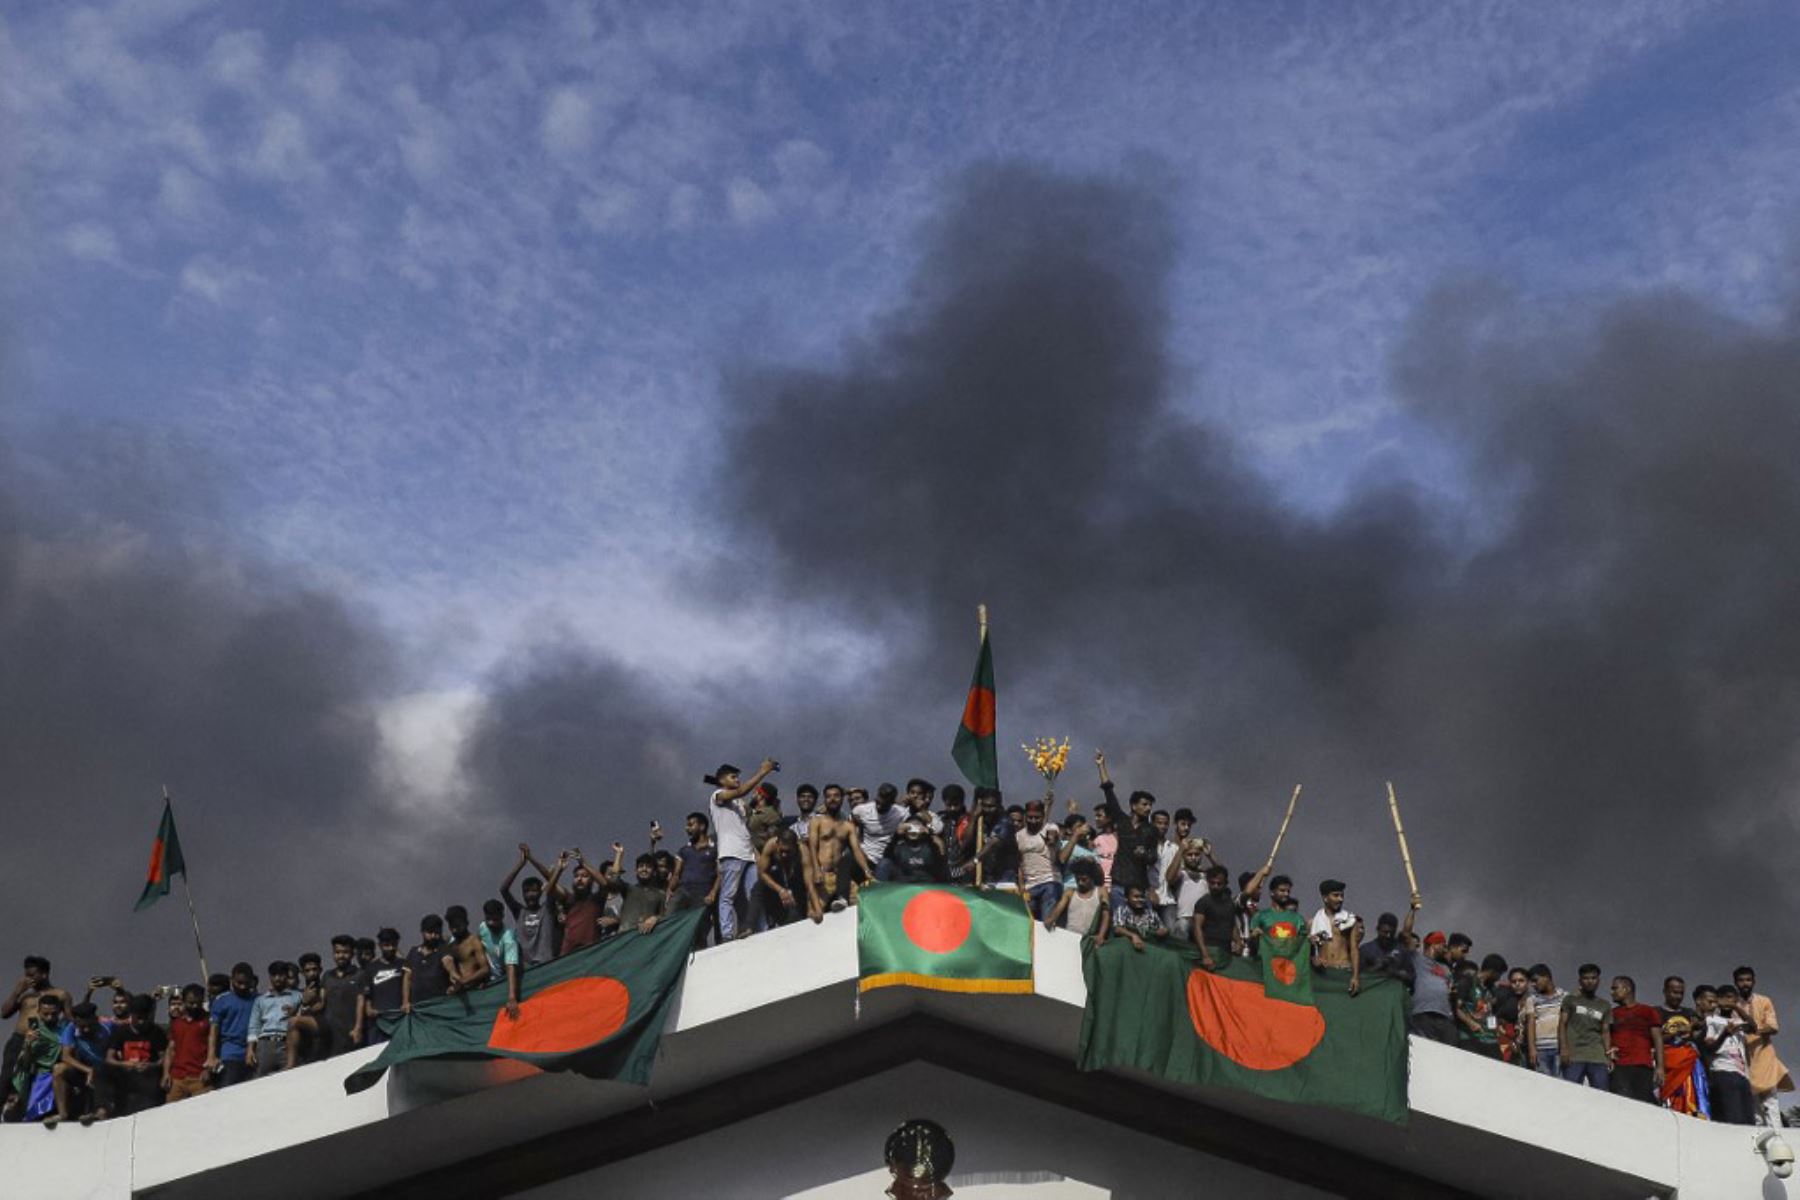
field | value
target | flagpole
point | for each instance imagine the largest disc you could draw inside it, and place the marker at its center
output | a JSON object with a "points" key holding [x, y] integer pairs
{"points": [[981, 619], [188, 893]]}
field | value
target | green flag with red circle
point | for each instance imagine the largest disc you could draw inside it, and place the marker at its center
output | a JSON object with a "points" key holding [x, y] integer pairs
{"points": [[975, 751], [1285, 951], [1246, 1026], [948, 939], [166, 861], [598, 1012]]}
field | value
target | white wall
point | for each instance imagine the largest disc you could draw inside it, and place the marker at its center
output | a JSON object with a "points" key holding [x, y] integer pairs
{"points": [[1007, 1145], [799, 982]]}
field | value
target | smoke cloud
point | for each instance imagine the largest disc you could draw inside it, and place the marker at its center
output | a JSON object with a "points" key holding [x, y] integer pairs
{"points": [[1583, 675]]}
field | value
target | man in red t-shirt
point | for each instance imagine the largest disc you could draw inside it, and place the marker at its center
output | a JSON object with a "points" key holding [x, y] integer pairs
{"points": [[184, 1070], [1637, 1049]]}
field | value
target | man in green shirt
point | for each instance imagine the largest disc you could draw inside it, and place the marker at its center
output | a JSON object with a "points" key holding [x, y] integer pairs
{"points": [[1584, 1038], [33, 1080]]}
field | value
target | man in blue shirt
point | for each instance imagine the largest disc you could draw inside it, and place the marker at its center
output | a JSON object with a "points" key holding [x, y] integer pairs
{"points": [[230, 1014], [502, 947], [266, 1050], [80, 1078]]}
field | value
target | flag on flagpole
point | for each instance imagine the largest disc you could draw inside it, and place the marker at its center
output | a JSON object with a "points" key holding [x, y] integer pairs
{"points": [[165, 860], [974, 750]]}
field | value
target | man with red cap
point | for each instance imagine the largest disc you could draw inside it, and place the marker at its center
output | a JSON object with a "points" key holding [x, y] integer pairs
{"points": [[1431, 990]]}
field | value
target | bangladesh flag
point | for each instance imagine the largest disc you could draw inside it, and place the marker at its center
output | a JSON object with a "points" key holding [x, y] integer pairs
{"points": [[1285, 951], [165, 860], [598, 1012], [1159, 1011], [974, 750], [949, 939]]}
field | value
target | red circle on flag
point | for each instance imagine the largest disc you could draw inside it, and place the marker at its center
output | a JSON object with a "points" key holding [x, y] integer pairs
{"points": [[937, 922], [570, 1015], [1285, 970], [978, 713], [1234, 1017]]}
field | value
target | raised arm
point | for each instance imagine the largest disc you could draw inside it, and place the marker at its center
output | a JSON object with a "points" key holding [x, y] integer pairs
{"points": [[506, 884], [745, 787]]}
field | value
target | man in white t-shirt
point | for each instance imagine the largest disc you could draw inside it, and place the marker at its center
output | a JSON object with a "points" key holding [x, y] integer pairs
{"points": [[878, 821], [1040, 875], [737, 855], [1727, 1060]]}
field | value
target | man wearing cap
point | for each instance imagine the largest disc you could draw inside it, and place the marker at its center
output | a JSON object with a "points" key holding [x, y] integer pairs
{"points": [[1431, 990], [737, 856], [1336, 931]]}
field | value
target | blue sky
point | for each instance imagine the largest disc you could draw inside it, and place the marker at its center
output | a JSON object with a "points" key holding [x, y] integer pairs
{"points": [[441, 297]]}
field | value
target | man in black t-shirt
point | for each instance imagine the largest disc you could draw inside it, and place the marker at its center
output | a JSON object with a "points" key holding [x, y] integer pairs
{"points": [[1386, 953], [134, 1059], [1215, 918], [915, 855], [381, 988], [1674, 992], [426, 977], [340, 986]]}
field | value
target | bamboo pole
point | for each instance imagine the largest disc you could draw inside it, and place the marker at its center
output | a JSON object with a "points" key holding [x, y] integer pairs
{"points": [[1405, 855], [1282, 832], [980, 836]]}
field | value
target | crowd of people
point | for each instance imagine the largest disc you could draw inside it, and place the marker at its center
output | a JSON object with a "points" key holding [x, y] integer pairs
{"points": [[1130, 871]]}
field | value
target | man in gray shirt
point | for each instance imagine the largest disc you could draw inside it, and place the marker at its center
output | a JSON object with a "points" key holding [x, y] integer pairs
{"points": [[1431, 989], [535, 920]]}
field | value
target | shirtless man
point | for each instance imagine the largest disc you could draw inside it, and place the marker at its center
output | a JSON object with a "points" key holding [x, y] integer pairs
{"points": [[830, 836], [1336, 934], [781, 872], [465, 961], [22, 1003]]}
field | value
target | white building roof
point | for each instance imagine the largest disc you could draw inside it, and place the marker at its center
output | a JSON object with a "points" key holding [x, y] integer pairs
{"points": [[768, 1067]]}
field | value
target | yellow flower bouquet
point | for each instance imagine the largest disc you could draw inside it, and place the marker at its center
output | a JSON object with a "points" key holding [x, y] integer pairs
{"points": [[1048, 758]]}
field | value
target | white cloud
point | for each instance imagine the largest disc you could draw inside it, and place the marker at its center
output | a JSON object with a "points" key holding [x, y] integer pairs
{"points": [[283, 150], [210, 279], [611, 208], [425, 142], [91, 241], [236, 60], [747, 202], [318, 72], [800, 163], [685, 202], [183, 194], [569, 125], [421, 742]]}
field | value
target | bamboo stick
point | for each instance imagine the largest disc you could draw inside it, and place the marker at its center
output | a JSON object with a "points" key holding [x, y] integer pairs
{"points": [[1405, 855], [1282, 832]]}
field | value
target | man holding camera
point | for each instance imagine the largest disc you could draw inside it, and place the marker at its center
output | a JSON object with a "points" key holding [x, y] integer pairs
{"points": [[737, 854]]}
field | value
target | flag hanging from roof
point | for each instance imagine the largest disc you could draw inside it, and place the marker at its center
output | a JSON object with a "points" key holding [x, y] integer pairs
{"points": [[1301, 1038], [974, 750], [598, 1012], [165, 860], [948, 939]]}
